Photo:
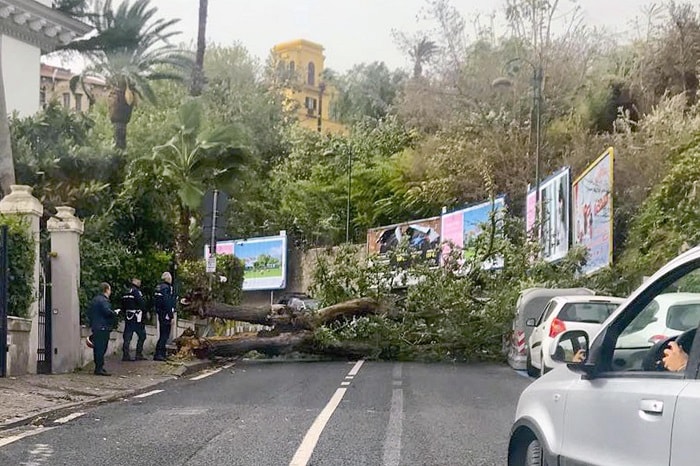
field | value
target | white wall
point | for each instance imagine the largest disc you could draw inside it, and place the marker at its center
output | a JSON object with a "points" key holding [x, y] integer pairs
{"points": [[21, 72]]}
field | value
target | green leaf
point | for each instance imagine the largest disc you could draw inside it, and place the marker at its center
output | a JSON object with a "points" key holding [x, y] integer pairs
{"points": [[191, 195]]}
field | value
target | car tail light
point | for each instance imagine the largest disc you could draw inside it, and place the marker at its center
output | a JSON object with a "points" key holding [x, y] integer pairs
{"points": [[556, 328], [656, 338]]}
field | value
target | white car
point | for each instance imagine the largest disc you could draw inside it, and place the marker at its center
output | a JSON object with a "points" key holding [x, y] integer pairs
{"points": [[563, 313], [668, 315]]}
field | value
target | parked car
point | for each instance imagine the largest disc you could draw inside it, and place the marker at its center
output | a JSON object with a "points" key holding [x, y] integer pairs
{"points": [[618, 405], [667, 315], [563, 313], [530, 304]]}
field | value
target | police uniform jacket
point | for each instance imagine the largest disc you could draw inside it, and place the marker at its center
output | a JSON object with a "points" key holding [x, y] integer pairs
{"points": [[164, 300], [133, 305]]}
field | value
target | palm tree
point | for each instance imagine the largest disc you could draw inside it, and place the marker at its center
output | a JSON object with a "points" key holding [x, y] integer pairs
{"points": [[422, 51], [7, 168], [129, 51], [198, 74], [195, 160]]}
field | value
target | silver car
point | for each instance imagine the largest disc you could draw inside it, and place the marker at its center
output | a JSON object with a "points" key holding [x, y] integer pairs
{"points": [[616, 403]]}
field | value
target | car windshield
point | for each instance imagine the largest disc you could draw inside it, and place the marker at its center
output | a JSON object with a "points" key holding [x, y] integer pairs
{"points": [[683, 316], [594, 313]]}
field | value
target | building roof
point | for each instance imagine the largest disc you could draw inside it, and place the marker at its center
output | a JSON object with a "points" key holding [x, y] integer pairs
{"points": [[39, 25], [298, 43], [63, 74]]}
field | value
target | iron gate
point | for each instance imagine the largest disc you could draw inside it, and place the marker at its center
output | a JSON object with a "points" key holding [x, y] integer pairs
{"points": [[43, 356], [4, 274]]}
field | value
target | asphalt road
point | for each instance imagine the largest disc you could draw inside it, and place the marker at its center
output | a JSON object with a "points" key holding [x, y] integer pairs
{"points": [[292, 413]]}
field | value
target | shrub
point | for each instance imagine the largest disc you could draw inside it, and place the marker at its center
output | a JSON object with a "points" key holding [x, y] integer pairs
{"points": [[21, 256], [224, 286]]}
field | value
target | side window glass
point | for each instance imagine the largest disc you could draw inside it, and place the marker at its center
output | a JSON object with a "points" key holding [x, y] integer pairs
{"points": [[545, 313], [670, 313]]}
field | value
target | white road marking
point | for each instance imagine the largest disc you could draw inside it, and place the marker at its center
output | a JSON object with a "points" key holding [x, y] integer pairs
{"points": [[152, 392], [397, 371], [70, 417], [345, 384], [228, 366], [306, 449], [356, 368], [205, 375], [349, 377], [14, 438], [392, 443]]}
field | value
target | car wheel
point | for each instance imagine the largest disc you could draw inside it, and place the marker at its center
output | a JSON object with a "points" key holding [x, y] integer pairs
{"points": [[533, 454], [532, 371]]}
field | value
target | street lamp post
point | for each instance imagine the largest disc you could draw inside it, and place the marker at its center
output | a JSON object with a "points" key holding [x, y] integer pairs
{"points": [[537, 77], [347, 210]]}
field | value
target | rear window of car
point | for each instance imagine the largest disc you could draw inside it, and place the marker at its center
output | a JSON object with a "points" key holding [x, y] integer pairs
{"points": [[594, 313], [683, 316]]}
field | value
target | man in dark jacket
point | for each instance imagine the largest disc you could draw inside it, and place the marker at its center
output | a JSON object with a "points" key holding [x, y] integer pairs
{"points": [[102, 319], [134, 310], [164, 301]]}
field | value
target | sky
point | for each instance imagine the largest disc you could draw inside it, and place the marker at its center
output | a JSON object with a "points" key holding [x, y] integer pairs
{"points": [[352, 31]]}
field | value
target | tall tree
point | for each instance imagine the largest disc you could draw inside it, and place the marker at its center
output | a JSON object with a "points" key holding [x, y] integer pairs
{"points": [[129, 51], [7, 168], [198, 73]]}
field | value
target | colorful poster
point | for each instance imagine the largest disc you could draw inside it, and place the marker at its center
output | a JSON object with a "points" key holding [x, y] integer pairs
{"points": [[555, 220], [593, 211], [264, 259], [422, 238], [531, 214], [460, 227]]}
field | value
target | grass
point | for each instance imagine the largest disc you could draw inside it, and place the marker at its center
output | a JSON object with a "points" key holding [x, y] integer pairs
{"points": [[266, 273]]}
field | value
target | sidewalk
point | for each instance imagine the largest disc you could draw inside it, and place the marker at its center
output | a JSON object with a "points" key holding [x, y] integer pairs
{"points": [[30, 398]]}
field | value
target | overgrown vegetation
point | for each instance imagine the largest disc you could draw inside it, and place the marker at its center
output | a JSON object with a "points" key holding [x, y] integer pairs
{"points": [[21, 254]]}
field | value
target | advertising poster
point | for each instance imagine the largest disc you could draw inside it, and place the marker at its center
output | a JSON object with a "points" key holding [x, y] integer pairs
{"points": [[461, 226], [421, 236], [530, 214], [264, 259], [555, 220], [593, 211]]}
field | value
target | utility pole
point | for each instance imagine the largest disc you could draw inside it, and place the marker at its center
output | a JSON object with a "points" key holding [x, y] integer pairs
{"points": [[321, 89], [347, 212]]}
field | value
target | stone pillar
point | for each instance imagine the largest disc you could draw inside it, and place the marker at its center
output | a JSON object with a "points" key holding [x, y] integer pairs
{"points": [[65, 229], [21, 202]]}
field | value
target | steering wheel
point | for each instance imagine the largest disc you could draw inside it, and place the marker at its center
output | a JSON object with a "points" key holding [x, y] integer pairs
{"points": [[653, 361]]}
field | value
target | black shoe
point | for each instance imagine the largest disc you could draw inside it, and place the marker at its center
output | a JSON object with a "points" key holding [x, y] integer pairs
{"points": [[139, 357], [159, 358], [103, 372], [127, 358]]}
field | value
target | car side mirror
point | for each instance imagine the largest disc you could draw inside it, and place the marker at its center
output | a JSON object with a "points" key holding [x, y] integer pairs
{"points": [[570, 347], [531, 323]]}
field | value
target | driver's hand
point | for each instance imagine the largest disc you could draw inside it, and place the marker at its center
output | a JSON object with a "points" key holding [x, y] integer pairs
{"points": [[675, 359], [580, 356]]}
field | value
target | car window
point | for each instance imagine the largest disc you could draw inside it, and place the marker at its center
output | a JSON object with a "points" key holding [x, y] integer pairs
{"points": [[683, 316], [594, 313], [669, 313], [546, 312]]}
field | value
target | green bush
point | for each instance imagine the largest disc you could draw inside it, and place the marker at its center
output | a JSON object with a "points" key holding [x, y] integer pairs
{"points": [[21, 258], [224, 286]]}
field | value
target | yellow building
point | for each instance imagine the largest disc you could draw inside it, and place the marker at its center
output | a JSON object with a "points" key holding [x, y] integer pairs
{"points": [[304, 62], [55, 86]]}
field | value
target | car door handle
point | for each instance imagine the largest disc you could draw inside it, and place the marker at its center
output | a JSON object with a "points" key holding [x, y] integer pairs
{"points": [[652, 406]]}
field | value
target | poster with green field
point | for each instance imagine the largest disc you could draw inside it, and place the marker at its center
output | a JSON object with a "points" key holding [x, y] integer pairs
{"points": [[265, 262]]}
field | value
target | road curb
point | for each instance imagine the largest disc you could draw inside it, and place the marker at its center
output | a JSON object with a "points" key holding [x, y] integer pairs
{"points": [[58, 411]]}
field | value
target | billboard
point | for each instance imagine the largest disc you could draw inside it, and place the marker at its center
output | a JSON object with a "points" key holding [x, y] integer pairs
{"points": [[421, 236], [264, 259], [531, 213], [593, 211], [555, 220], [461, 226]]}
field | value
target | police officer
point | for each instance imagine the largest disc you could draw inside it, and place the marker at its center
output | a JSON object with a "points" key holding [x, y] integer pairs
{"points": [[164, 301], [102, 319], [134, 310]]}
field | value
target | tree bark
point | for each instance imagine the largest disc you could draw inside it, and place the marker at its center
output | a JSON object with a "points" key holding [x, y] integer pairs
{"points": [[7, 167], [120, 115], [198, 72]]}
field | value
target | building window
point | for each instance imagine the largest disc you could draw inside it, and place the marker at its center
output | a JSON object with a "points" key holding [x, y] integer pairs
{"points": [[66, 100], [311, 74], [310, 104], [78, 102], [42, 97]]}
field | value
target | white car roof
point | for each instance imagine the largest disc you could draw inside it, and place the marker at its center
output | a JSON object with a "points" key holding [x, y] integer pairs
{"points": [[668, 299], [590, 299]]}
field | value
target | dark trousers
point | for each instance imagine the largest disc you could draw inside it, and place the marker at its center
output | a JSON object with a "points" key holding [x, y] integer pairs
{"points": [[163, 338], [100, 339], [139, 328]]}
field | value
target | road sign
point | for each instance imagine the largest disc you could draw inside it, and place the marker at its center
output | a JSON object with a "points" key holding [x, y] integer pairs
{"points": [[211, 264]]}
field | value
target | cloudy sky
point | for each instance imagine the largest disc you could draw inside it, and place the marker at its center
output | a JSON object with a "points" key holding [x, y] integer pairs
{"points": [[354, 31]]}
